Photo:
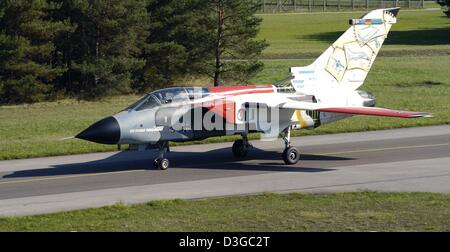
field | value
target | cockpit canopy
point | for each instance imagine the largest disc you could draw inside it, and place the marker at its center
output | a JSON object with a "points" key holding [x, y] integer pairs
{"points": [[168, 95]]}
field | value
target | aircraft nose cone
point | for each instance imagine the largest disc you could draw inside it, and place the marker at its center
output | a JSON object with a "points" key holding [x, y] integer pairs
{"points": [[105, 131]]}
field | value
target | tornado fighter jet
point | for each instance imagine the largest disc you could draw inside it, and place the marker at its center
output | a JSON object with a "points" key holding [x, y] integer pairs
{"points": [[323, 92]]}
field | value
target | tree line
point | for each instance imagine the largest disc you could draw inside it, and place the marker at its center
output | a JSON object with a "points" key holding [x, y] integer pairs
{"points": [[92, 48]]}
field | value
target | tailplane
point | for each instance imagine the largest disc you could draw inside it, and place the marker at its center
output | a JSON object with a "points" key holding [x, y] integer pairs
{"points": [[347, 62]]}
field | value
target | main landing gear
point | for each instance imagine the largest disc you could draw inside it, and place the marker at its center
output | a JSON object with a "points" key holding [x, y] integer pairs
{"points": [[241, 147], [291, 155], [161, 162]]}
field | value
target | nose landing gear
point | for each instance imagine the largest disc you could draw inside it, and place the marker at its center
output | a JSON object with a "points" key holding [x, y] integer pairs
{"points": [[161, 162]]}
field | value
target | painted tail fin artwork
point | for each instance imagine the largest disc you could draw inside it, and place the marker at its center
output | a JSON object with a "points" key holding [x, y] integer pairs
{"points": [[346, 63]]}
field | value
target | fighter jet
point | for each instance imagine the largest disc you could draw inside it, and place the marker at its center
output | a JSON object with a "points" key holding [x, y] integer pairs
{"points": [[323, 92]]}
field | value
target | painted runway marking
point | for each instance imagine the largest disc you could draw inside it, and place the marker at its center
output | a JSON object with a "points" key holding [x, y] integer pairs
{"points": [[140, 170], [68, 177], [385, 149]]}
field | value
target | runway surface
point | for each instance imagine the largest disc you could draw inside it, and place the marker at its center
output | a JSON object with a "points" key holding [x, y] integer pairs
{"points": [[413, 159]]}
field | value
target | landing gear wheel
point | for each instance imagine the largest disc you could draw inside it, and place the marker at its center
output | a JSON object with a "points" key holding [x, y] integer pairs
{"points": [[162, 163], [291, 155], [240, 149]]}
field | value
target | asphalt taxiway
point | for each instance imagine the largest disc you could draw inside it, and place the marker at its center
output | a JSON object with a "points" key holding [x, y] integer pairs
{"points": [[411, 159]]}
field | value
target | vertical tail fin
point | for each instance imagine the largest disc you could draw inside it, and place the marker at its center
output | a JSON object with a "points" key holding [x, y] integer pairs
{"points": [[347, 62]]}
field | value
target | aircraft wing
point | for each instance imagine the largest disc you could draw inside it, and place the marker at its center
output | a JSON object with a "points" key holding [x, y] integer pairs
{"points": [[369, 111], [374, 111]]}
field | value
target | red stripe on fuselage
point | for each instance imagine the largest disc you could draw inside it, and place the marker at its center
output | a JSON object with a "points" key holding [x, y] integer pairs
{"points": [[223, 108], [241, 90], [227, 109]]}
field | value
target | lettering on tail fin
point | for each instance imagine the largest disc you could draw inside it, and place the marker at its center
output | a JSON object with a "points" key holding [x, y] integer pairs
{"points": [[348, 60]]}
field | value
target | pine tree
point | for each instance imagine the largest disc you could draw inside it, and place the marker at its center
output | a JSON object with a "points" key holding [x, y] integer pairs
{"points": [[215, 38], [102, 53], [27, 32], [175, 44], [235, 49]]}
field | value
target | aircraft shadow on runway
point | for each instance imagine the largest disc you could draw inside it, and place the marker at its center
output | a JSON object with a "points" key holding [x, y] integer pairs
{"points": [[219, 159]]}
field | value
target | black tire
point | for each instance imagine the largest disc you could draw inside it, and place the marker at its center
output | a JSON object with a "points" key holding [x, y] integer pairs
{"points": [[240, 150], [291, 155], [162, 163]]}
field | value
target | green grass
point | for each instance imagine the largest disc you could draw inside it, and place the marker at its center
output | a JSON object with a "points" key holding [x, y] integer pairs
{"points": [[365, 211], [307, 35], [431, 4], [302, 6], [34, 130], [417, 80]]}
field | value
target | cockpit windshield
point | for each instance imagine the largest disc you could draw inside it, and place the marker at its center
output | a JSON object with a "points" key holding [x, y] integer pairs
{"points": [[136, 103], [148, 103], [169, 95]]}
